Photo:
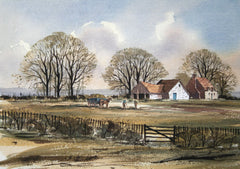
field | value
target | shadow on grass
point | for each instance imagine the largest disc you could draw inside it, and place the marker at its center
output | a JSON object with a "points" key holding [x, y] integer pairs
{"points": [[38, 158]]}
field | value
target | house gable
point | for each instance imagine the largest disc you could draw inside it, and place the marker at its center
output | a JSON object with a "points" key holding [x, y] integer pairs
{"points": [[140, 88], [179, 91], [191, 88], [199, 88]]}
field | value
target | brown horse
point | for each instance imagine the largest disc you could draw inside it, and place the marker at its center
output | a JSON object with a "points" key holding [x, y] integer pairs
{"points": [[105, 101]]}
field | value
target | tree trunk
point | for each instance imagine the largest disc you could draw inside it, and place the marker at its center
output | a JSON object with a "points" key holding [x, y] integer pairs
{"points": [[47, 90], [71, 90]]}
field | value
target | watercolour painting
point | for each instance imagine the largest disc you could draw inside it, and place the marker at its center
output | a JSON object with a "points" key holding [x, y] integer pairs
{"points": [[110, 84]]}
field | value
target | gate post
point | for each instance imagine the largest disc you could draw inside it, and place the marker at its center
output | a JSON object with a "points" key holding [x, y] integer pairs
{"points": [[174, 134], [144, 133]]}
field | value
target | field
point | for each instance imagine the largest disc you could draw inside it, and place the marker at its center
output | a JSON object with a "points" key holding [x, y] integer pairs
{"points": [[102, 153], [187, 113]]}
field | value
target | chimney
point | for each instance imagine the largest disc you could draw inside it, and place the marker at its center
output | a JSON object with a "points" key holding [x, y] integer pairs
{"points": [[194, 75]]}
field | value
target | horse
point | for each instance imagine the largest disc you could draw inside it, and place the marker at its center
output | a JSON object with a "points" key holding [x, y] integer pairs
{"points": [[105, 101]]}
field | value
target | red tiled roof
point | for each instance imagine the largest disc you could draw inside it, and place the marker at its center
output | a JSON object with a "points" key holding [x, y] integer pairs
{"points": [[152, 88], [204, 82]]}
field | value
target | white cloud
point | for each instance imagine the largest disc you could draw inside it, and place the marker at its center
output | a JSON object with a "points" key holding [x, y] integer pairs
{"points": [[103, 39], [172, 41], [162, 27], [23, 44], [16, 31], [112, 27], [73, 33], [178, 42]]}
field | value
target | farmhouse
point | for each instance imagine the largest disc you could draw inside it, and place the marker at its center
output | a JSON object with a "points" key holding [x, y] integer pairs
{"points": [[201, 88], [164, 89]]}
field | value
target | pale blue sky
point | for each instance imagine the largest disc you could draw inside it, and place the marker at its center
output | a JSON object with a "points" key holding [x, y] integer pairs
{"points": [[169, 29]]}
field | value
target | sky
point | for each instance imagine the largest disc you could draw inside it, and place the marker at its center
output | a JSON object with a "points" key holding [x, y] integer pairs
{"points": [[168, 29]]}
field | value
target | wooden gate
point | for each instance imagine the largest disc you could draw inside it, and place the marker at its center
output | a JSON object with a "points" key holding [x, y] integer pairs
{"points": [[159, 134]]}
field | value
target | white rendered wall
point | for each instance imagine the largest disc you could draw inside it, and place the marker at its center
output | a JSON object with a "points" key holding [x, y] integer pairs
{"points": [[211, 95], [181, 92], [155, 96]]}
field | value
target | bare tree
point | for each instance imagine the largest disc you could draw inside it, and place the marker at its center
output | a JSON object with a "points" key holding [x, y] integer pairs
{"points": [[203, 62], [37, 66], [120, 72], [55, 58], [208, 65], [59, 50], [131, 65], [79, 63], [146, 67], [225, 80]]}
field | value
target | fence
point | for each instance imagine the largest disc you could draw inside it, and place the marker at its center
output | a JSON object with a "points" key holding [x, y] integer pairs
{"points": [[192, 136], [71, 126], [206, 136]]}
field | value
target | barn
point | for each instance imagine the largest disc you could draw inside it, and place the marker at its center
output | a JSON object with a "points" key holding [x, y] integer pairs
{"points": [[164, 89], [201, 88]]}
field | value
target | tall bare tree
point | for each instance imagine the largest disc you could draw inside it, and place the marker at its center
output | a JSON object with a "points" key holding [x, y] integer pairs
{"points": [[79, 63], [57, 57], [131, 65], [203, 62], [58, 42], [119, 74]]}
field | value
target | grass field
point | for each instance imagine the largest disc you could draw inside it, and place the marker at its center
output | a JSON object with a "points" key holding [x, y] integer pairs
{"points": [[187, 113], [97, 153]]}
